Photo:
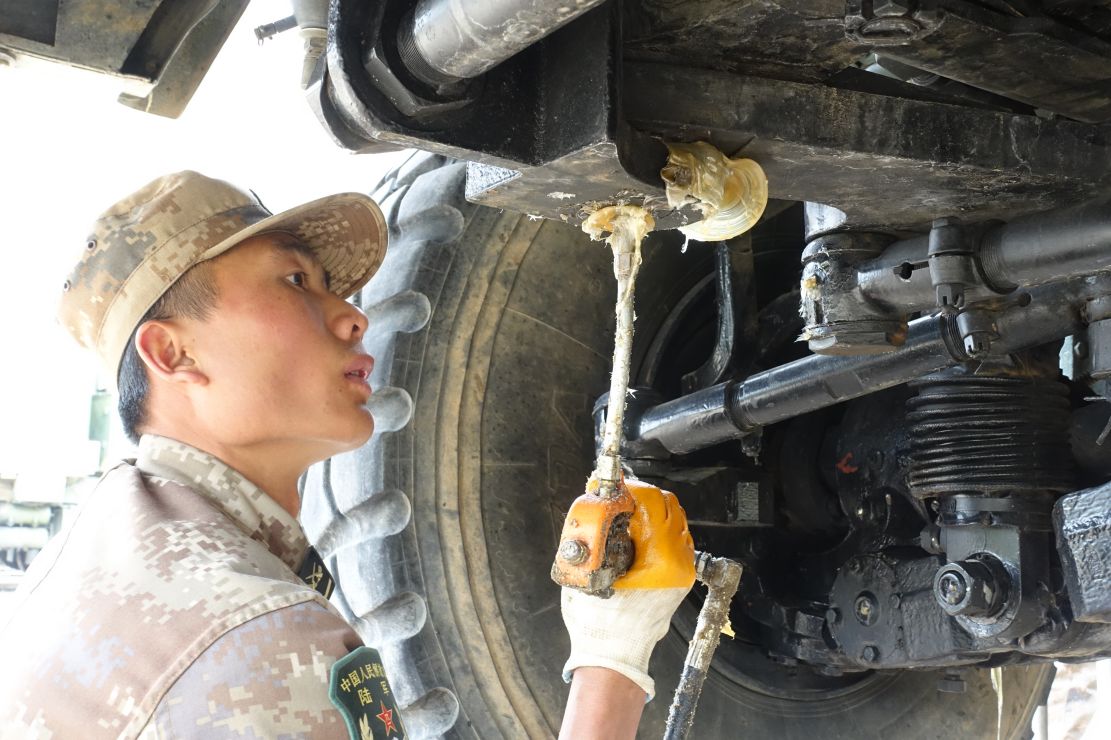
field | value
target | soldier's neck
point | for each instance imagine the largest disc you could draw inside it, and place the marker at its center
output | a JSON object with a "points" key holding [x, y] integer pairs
{"points": [[271, 470], [273, 465]]}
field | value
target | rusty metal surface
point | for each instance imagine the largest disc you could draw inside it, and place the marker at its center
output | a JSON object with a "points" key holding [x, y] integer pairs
{"points": [[783, 39], [579, 119], [34, 21], [179, 55], [1055, 57], [95, 34], [163, 49], [1083, 524], [885, 162], [1035, 60]]}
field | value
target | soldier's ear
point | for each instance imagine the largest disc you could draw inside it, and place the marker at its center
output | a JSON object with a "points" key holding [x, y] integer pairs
{"points": [[160, 345]]}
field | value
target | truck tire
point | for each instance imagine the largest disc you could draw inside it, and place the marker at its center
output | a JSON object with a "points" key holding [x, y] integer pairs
{"points": [[492, 335]]}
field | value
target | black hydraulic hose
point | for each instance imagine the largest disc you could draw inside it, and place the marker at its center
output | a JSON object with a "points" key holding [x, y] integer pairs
{"points": [[726, 411], [451, 40], [1032, 250]]}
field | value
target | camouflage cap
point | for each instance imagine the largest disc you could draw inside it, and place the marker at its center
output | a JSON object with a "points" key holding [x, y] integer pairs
{"points": [[140, 246]]}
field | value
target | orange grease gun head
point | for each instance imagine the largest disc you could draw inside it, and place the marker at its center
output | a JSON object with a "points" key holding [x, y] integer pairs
{"points": [[595, 548]]}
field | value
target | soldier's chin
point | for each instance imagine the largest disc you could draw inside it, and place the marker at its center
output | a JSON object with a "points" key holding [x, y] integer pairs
{"points": [[366, 437], [344, 438], [359, 438]]}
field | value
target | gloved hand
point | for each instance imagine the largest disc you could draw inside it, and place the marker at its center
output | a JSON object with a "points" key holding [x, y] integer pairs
{"points": [[620, 632]]}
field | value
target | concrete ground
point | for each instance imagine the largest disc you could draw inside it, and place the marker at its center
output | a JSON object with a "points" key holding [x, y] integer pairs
{"points": [[1075, 710]]}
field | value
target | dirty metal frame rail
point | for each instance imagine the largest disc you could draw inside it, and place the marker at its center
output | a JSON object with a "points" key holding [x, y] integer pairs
{"points": [[586, 119]]}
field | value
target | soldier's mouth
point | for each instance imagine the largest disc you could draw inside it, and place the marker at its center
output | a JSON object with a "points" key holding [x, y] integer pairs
{"points": [[359, 368]]}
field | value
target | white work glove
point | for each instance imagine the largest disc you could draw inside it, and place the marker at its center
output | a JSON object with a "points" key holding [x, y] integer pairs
{"points": [[620, 632]]}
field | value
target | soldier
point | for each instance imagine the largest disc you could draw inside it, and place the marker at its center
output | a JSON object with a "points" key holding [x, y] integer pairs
{"points": [[184, 601]]}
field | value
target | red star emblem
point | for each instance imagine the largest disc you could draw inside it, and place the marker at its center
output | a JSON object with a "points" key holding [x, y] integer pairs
{"points": [[387, 718]]}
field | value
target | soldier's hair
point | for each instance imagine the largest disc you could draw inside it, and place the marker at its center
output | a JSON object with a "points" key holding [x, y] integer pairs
{"points": [[193, 296]]}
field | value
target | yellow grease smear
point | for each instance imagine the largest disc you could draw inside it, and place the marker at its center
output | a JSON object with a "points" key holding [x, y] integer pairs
{"points": [[620, 222], [731, 193]]}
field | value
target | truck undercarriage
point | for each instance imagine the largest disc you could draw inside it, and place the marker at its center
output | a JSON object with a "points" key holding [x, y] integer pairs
{"points": [[889, 400]]}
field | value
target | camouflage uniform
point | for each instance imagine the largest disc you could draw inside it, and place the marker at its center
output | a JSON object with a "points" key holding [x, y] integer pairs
{"points": [[171, 608]]}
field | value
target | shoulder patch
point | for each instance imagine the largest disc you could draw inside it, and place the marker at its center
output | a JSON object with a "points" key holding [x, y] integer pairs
{"points": [[361, 692], [315, 574]]}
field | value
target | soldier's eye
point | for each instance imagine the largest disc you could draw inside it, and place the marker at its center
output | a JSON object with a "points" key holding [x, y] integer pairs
{"points": [[300, 279]]}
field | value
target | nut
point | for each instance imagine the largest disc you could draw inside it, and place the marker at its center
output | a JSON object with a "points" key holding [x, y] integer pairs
{"points": [[952, 683], [890, 8], [404, 97], [970, 588], [866, 609], [890, 22], [952, 588], [573, 552]]}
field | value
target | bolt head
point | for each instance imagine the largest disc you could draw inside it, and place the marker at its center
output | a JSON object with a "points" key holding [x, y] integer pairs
{"points": [[952, 684], [889, 9], [406, 98], [866, 609], [889, 22], [952, 588], [968, 588], [870, 654], [573, 552]]}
